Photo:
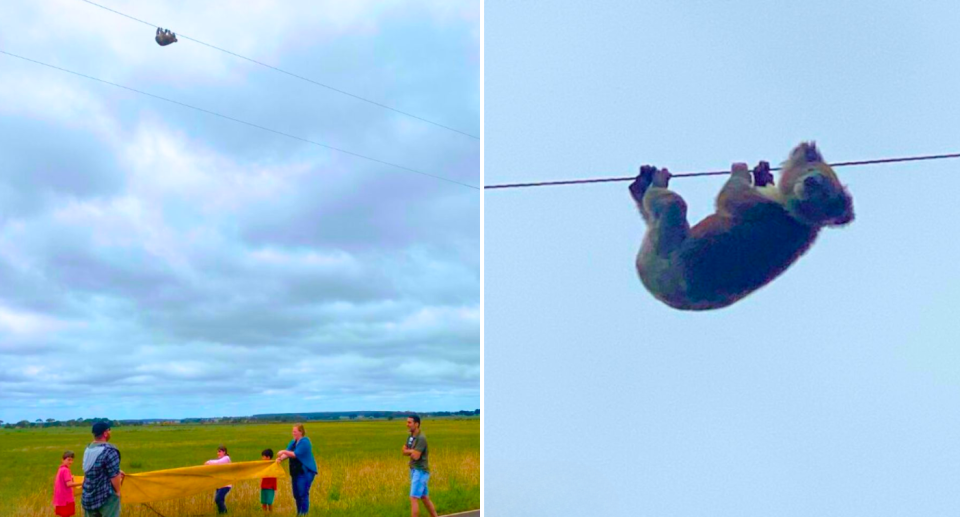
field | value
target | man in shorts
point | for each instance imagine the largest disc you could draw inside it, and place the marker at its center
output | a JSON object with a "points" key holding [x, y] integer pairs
{"points": [[101, 475], [416, 448]]}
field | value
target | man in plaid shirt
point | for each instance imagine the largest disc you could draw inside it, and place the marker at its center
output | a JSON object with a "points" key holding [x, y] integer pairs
{"points": [[102, 475]]}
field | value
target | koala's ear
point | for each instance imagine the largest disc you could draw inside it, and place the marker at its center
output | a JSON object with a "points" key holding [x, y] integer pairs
{"points": [[807, 152]]}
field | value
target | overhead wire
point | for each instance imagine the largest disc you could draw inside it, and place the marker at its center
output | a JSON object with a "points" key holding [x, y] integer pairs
{"points": [[251, 124], [291, 74], [715, 173]]}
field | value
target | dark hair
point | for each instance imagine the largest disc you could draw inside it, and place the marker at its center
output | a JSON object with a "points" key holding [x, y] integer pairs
{"points": [[99, 428], [68, 454], [268, 453], [415, 417], [222, 448]]}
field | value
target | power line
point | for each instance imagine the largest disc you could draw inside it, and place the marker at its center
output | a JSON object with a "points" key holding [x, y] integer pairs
{"points": [[716, 173], [291, 74], [242, 121]]}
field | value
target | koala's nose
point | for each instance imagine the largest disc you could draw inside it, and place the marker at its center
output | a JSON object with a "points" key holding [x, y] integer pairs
{"points": [[846, 218]]}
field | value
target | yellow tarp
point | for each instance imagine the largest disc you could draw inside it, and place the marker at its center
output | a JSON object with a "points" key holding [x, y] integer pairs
{"points": [[159, 485]]}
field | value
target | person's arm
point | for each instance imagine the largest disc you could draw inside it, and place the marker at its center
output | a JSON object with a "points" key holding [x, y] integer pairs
{"points": [[67, 479], [418, 449], [218, 461], [286, 453], [114, 466], [303, 448], [116, 481]]}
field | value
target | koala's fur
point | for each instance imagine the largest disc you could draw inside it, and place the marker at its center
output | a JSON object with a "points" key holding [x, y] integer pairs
{"points": [[757, 231]]}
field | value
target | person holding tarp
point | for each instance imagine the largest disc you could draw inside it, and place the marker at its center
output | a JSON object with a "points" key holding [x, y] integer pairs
{"points": [[63, 488], [221, 495], [101, 475], [303, 468]]}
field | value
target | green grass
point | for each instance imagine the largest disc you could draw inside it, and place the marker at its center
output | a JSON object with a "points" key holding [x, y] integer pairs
{"points": [[362, 472]]}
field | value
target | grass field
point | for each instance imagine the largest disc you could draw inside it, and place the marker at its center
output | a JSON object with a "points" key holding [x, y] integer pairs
{"points": [[362, 472]]}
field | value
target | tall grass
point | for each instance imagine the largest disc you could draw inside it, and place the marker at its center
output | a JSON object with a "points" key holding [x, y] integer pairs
{"points": [[362, 472]]}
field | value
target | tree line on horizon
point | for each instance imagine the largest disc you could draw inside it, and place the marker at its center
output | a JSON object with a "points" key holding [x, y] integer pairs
{"points": [[259, 419]]}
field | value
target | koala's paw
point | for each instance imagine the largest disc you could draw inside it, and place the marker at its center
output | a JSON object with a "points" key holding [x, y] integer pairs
{"points": [[640, 185], [661, 178], [762, 175]]}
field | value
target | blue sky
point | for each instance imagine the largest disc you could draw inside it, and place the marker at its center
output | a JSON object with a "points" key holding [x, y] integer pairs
{"points": [[159, 262], [831, 391]]}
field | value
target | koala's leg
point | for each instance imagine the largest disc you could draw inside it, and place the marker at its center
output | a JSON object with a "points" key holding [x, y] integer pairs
{"points": [[649, 176], [664, 211], [738, 193]]}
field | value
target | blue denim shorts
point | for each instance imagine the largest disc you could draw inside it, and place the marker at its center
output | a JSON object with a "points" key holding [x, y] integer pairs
{"points": [[418, 483]]}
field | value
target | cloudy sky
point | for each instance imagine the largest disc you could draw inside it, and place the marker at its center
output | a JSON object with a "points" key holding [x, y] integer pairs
{"points": [[160, 262]]}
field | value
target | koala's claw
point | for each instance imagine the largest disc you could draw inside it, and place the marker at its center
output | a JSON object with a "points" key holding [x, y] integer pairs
{"points": [[661, 178], [640, 185], [762, 175]]}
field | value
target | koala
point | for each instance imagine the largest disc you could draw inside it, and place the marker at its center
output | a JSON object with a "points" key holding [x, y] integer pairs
{"points": [[165, 37], [758, 230]]}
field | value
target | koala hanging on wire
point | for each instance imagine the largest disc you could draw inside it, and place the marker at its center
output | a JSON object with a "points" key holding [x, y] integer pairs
{"points": [[165, 37], [758, 230]]}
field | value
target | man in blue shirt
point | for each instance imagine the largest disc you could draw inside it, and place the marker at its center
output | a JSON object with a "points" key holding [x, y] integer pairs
{"points": [[101, 475]]}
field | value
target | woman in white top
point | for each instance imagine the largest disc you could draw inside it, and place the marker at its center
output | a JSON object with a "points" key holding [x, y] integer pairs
{"points": [[221, 496]]}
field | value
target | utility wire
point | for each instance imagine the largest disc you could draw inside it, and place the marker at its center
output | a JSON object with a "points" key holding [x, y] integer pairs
{"points": [[717, 173], [288, 135], [291, 74]]}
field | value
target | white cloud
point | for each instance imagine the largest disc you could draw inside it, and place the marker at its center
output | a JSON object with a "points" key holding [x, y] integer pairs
{"points": [[14, 323]]}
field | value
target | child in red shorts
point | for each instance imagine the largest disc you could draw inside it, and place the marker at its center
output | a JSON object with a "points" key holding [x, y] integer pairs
{"points": [[63, 484]]}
